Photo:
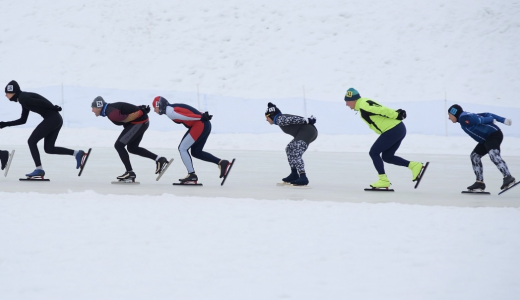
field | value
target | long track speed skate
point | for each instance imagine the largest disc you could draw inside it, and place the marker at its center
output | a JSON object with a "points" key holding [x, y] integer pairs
{"points": [[163, 169], [420, 176], [8, 163], [477, 188], [190, 180], [36, 175], [127, 178], [84, 161], [508, 188]]}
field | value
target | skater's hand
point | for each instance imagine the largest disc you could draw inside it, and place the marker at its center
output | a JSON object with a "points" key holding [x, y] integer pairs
{"points": [[2, 125], [401, 114], [508, 122], [58, 108], [311, 120], [206, 117], [145, 108]]}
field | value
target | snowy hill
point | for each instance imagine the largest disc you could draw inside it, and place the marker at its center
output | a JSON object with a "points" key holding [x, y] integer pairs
{"points": [[465, 51]]}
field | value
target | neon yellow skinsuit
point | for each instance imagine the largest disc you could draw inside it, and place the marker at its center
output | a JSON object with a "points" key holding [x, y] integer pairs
{"points": [[378, 117]]}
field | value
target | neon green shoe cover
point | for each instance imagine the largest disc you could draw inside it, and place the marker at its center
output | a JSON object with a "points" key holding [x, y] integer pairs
{"points": [[416, 168], [383, 182]]}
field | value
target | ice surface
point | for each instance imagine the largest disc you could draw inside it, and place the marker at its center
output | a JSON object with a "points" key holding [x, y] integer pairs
{"points": [[84, 238]]}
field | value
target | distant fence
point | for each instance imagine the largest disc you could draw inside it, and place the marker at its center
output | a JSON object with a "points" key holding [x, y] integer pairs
{"points": [[240, 115]]}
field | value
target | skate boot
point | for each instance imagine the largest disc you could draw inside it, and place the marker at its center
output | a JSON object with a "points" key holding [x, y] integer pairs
{"points": [[191, 178], [292, 177], [508, 181], [223, 166], [382, 183], [162, 162], [477, 187], [36, 174], [79, 158], [301, 181], [416, 168], [129, 176], [4, 157]]}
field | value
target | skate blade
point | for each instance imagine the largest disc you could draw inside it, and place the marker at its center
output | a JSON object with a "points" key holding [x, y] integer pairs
{"points": [[192, 183], [129, 181], [34, 178], [476, 191], [296, 186], [8, 164], [282, 183], [373, 189]]}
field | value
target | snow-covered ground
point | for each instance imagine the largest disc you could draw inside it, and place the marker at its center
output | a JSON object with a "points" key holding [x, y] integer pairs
{"points": [[91, 246], [82, 238]]}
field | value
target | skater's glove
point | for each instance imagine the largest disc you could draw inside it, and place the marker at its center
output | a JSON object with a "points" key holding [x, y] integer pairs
{"points": [[58, 108], [508, 122], [311, 120], [401, 114], [145, 108], [2, 125], [206, 117]]}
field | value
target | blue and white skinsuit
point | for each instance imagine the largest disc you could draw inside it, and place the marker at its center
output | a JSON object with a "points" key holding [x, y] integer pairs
{"points": [[482, 128]]}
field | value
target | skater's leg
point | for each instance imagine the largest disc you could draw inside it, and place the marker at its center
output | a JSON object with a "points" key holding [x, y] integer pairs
{"points": [[121, 143], [185, 144], [200, 140], [123, 154], [54, 124], [495, 157], [393, 139], [295, 150], [38, 134], [476, 162], [387, 144], [294, 172], [492, 145], [135, 140], [375, 154]]}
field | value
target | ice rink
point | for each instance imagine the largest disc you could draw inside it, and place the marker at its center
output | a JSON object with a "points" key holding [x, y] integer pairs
{"points": [[334, 176], [85, 238]]}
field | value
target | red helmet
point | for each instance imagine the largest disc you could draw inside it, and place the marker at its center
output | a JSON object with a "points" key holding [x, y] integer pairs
{"points": [[155, 102]]}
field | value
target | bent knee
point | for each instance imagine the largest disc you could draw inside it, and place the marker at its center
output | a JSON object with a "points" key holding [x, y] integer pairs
{"points": [[374, 152], [196, 154], [119, 145], [132, 150], [386, 158], [32, 141]]}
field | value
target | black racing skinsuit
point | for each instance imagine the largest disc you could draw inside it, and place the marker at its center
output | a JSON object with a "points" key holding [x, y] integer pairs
{"points": [[135, 123], [48, 129]]}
